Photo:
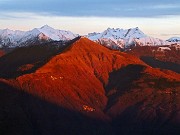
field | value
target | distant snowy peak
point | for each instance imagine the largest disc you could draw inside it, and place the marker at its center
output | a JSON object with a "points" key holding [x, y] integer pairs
{"points": [[117, 38], [55, 34], [117, 34], [10, 33], [10, 38], [50, 33], [134, 33], [124, 38], [174, 39]]}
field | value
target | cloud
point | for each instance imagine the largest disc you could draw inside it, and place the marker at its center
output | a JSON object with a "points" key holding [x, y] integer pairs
{"points": [[104, 8], [21, 15], [167, 6]]}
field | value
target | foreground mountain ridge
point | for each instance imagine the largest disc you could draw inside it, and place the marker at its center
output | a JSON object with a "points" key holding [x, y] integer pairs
{"points": [[86, 88]]}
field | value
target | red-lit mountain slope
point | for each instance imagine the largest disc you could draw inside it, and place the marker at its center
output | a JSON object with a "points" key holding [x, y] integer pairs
{"points": [[105, 85], [77, 76], [1, 53]]}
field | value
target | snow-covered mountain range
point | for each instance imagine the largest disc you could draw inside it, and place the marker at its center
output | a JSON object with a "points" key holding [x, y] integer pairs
{"points": [[10, 38], [174, 39], [124, 38], [112, 38]]}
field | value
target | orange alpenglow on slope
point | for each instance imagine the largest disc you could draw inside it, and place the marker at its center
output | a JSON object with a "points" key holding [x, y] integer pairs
{"points": [[104, 84], [81, 70], [1, 53]]}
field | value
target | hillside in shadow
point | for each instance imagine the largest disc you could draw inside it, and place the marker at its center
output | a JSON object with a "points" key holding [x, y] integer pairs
{"points": [[24, 114], [161, 64], [121, 81], [132, 122]]}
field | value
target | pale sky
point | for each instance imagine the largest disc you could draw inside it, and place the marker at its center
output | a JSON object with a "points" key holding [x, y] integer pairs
{"points": [[155, 18]]}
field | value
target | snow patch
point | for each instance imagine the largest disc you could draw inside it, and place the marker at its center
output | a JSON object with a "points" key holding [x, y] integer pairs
{"points": [[163, 49]]}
